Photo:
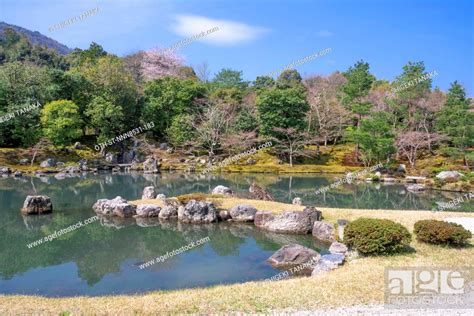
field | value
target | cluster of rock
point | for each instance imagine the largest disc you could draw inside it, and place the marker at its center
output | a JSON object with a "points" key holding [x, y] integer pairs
{"points": [[293, 256], [308, 221]]}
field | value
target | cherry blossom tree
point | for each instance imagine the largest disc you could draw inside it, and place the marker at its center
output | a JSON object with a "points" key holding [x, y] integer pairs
{"points": [[158, 63], [410, 143]]}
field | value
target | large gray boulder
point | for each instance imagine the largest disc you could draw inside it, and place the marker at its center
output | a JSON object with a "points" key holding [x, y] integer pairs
{"points": [[327, 263], [291, 222], [243, 213], [115, 207], [148, 210], [338, 248], [198, 212], [443, 175], [149, 193], [293, 255], [172, 206], [220, 189], [323, 231], [150, 165], [37, 204], [5, 170], [262, 218], [48, 163]]}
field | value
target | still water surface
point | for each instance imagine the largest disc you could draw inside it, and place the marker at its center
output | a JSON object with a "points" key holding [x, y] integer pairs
{"points": [[103, 257]]}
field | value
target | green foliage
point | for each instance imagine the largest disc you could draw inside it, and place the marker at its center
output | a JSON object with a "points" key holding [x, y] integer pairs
{"points": [[281, 108], [372, 236], [359, 82], [61, 122], [181, 130], [440, 232], [168, 97], [374, 136], [228, 78], [245, 121], [22, 85], [263, 82], [456, 120], [106, 117], [290, 78]]}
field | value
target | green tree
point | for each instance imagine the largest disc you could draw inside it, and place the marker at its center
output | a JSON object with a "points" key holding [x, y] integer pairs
{"points": [[457, 121], [167, 97], [290, 78], [281, 108], [181, 130], [109, 79], [21, 86], [263, 82], [228, 78], [61, 122], [375, 138], [106, 117]]}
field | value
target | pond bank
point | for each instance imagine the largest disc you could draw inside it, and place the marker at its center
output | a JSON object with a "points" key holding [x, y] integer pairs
{"points": [[343, 287]]}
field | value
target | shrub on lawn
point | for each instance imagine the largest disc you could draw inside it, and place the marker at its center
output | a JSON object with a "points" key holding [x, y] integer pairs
{"points": [[441, 232], [371, 236]]}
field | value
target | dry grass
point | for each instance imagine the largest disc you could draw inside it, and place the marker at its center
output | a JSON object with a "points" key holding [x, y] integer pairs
{"points": [[360, 281]]}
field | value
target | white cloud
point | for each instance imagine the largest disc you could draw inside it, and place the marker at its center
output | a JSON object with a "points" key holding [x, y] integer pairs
{"points": [[229, 32], [324, 34]]}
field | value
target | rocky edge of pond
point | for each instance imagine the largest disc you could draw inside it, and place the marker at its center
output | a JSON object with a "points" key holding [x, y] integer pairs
{"points": [[303, 260], [153, 165]]}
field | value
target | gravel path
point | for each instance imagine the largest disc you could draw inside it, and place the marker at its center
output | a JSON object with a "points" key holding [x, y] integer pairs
{"points": [[378, 310]]}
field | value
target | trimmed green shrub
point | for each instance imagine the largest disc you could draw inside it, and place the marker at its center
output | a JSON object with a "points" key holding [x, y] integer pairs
{"points": [[371, 236], [441, 232]]}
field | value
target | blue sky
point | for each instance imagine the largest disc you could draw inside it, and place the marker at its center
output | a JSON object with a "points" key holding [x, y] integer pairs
{"points": [[261, 36]]}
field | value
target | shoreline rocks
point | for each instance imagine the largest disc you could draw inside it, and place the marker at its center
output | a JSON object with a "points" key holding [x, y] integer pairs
{"points": [[148, 210], [292, 255], [115, 207], [37, 204], [243, 213], [198, 212], [220, 189], [323, 231], [149, 193]]}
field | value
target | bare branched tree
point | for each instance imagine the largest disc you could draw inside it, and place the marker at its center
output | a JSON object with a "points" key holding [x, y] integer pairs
{"points": [[410, 143]]}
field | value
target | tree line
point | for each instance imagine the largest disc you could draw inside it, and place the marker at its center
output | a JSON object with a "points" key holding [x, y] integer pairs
{"points": [[93, 93]]}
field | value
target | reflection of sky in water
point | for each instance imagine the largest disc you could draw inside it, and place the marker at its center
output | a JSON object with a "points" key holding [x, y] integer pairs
{"points": [[102, 257]]}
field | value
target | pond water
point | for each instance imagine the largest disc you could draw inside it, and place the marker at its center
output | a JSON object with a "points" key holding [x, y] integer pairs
{"points": [[104, 256]]}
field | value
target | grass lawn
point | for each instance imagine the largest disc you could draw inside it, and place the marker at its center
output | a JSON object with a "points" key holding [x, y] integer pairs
{"points": [[357, 282]]}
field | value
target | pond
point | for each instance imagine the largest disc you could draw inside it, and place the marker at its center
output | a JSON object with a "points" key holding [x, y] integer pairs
{"points": [[104, 257]]}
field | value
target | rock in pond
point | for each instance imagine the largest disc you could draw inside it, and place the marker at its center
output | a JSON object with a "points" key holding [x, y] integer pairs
{"points": [[148, 210], [198, 212], [328, 263], [415, 188], [115, 207], [150, 165], [338, 248], [5, 170], [149, 193], [292, 255], [297, 201], [161, 196], [443, 175], [291, 222], [48, 163], [243, 213], [223, 215], [37, 204], [323, 231], [220, 189]]}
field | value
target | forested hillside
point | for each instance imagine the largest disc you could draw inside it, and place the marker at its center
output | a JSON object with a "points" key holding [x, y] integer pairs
{"points": [[93, 94]]}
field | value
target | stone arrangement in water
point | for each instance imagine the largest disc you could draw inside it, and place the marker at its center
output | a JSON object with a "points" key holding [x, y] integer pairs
{"points": [[308, 221]]}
